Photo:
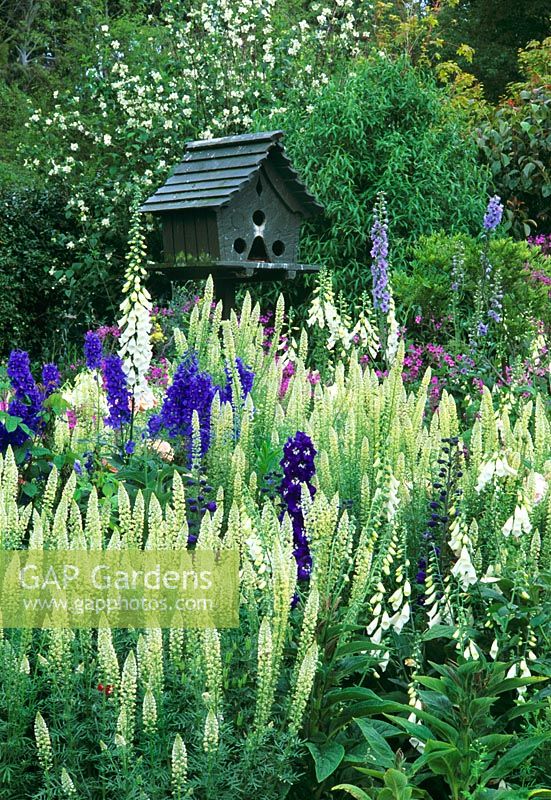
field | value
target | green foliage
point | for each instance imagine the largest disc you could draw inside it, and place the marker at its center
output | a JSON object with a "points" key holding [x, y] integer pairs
{"points": [[424, 288], [516, 144], [41, 289], [461, 728], [495, 30], [385, 126]]}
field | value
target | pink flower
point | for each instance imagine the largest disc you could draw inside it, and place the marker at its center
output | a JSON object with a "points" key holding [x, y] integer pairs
{"points": [[288, 372], [314, 377], [163, 449], [478, 384]]}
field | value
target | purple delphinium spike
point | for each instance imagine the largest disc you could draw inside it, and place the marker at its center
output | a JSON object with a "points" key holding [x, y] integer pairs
{"points": [[118, 394], [93, 350], [379, 254], [26, 403], [191, 390], [50, 378], [298, 468], [482, 329], [494, 213], [246, 379]]}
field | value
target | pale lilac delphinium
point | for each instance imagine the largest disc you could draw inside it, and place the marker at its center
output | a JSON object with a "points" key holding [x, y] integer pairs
{"points": [[379, 254], [494, 213]]}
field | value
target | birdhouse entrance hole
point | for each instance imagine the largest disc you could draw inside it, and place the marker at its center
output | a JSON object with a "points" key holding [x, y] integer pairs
{"points": [[258, 251]]}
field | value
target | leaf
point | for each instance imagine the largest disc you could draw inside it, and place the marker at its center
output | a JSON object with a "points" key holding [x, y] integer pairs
{"points": [[508, 684], [380, 752], [385, 728], [437, 703], [515, 756], [495, 741], [438, 632], [355, 647], [327, 758], [431, 683], [438, 725], [12, 424], [415, 729], [442, 758], [352, 695], [355, 791], [397, 785]]}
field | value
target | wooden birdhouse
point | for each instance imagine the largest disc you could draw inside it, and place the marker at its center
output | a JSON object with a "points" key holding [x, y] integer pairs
{"points": [[233, 208]]}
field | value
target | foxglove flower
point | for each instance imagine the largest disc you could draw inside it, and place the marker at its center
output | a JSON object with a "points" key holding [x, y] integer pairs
{"points": [[93, 350], [518, 523], [118, 395], [464, 570], [496, 466], [298, 469], [135, 324], [540, 487]]}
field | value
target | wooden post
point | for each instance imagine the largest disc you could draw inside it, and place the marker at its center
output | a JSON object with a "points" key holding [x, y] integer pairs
{"points": [[224, 290]]}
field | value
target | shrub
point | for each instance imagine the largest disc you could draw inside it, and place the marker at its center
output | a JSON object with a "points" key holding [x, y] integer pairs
{"points": [[425, 288], [386, 126], [516, 144], [41, 291]]}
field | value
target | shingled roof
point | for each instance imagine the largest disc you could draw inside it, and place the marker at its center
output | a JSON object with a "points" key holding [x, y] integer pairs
{"points": [[215, 170]]}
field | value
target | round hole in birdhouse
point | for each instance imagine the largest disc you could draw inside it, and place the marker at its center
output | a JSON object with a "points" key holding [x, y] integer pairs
{"points": [[239, 245], [259, 217], [278, 247]]}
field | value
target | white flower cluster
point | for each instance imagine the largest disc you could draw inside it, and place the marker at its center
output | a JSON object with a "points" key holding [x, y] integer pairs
{"points": [[496, 467], [135, 323], [325, 315]]}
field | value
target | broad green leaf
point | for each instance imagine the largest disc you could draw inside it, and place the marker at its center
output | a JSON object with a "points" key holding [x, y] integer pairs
{"points": [[396, 786], [442, 758], [438, 632], [431, 683], [12, 424], [327, 758], [495, 741], [437, 724], [509, 684], [415, 729], [380, 752], [514, 757]]}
